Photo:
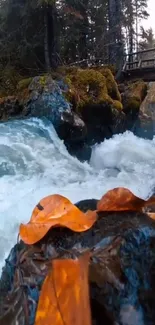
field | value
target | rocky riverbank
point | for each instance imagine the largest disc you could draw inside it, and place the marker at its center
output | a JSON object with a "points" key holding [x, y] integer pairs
{"points": [[85, 106]]}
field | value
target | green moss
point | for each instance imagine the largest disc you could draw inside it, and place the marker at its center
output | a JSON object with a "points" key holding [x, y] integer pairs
{"points": [[139, 90], [132, 104], [86, 87], [64, 70], [89, 86], [24, 83], [42, 80], [111, 84], [112, 68], [118, 105], [134, 95]]}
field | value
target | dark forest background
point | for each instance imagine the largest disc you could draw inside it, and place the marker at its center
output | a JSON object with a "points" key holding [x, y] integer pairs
{"points": [[37, 36]]}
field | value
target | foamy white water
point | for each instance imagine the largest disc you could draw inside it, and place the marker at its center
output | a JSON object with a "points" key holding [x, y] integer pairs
{"points": [[34, 163]]}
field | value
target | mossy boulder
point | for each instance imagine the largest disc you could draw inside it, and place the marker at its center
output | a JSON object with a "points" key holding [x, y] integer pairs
{"points": [[23, 84], [132, 93], [94, 95], [87, 87], [90, 87], [133, 96], [71, 98], [112, 87], [145, 126]]}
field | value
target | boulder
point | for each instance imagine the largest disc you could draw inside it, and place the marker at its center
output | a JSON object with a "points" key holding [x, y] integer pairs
{"points": [[46, 99], [94, 95], [123, 280], [83, 105], [132, 96], [145, 126], [43, 97], [112, 87], [82, 151], [121, 273], [73, 131], [122, 286], [71, 127], [40, 96], [92, 86], [103, 121]]}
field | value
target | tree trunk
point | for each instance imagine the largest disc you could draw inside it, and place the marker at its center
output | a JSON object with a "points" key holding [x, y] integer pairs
{"points": [[50, 38], [131, 29], [83, 50], [46, 41], [112, 30], [53, 35]]}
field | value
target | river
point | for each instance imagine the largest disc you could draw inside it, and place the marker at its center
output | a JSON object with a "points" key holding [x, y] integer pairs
{"points": [[35, 163]]}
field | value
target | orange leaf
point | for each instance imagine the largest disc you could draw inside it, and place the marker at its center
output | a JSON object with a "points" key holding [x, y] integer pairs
{"points": [[121, 199], [151, 215], [52, 211], [64, 297]]}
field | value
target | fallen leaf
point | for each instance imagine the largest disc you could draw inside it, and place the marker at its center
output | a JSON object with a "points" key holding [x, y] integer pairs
{"points": [[122, 199], [55, 211], [64, 298], [151, 215]]}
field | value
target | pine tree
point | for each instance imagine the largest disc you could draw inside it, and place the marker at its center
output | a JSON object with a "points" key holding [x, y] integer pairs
{"points": [[147, 40], [39, 35], [133, 11]]}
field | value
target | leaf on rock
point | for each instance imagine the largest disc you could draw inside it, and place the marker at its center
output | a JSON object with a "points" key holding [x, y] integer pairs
{"points": [[64, 298], [122, 199], [151, 215], [55, 210]]}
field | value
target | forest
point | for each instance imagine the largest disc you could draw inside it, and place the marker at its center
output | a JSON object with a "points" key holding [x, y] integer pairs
{"points": [[40, 35]]}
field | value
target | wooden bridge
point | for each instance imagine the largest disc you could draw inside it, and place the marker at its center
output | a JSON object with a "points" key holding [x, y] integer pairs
{"points": [[140, 65], [136, 65]]}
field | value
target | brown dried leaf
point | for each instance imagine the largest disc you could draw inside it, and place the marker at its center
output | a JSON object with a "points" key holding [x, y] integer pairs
{"points": [[122, 199], [54, 211], [151, 215], [64, 297]]}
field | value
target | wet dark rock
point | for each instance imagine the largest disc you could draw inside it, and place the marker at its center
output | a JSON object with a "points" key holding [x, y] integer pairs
{"points": [[122, 265], [71, 128], [46, 99], [80, 150], [86, 205], [133, 94], [127, 269], [103, 121], [145, 126], [100, 314]]}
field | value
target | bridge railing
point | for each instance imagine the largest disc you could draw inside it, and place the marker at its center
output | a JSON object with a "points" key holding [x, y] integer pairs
{"points": [[139, 60]]}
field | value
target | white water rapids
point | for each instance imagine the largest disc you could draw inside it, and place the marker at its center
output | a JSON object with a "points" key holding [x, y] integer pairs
{"points": [[34, 163]]}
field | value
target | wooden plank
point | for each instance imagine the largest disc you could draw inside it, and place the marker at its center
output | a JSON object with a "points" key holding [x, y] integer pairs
{"points": [[148, 60], [124, 66], [139, 64], [140, 52]]}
